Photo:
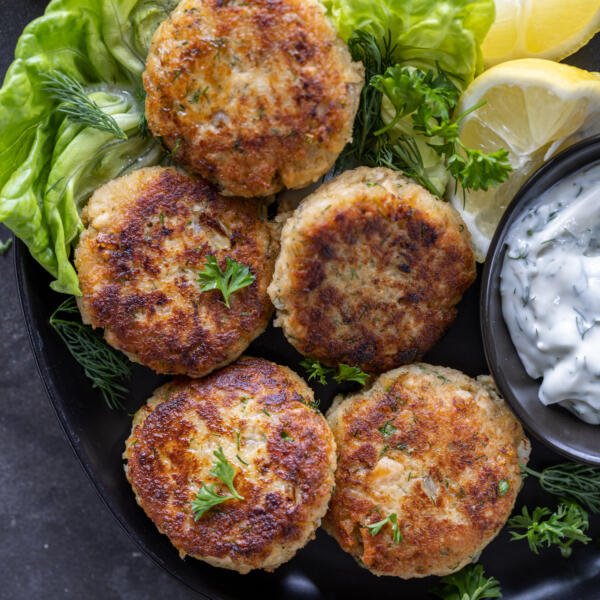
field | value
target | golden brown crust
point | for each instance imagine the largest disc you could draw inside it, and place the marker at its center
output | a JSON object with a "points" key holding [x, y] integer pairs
{"points": [[370, 270], [148, 235], [258, 413], [431, 445], [255, 96]]}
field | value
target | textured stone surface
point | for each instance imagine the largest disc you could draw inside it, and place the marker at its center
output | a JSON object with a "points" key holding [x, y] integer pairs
{"points": [[57, 538]]}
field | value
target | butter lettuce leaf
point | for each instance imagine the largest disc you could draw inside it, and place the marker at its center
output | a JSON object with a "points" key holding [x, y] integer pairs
{"points": [[50, 164], [426, 34]]}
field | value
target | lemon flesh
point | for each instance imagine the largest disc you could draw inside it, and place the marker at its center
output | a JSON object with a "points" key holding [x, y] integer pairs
{"points": [[550, 29], [534, 108]]}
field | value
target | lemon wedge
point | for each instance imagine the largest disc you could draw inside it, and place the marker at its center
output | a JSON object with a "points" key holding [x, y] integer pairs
{"points": [[550, 29], [534, 108]]}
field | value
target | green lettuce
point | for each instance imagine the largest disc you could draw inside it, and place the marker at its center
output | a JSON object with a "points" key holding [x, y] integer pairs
{"points": [[431, 35], [50, 164], [425, 33]]}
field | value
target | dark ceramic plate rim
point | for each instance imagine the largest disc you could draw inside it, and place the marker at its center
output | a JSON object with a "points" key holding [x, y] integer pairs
{"points": [[577, 156], [78, 450]]}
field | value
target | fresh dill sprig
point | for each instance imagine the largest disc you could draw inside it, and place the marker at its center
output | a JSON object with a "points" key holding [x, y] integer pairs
{"points": [[544, 528], [469, 583], [77, 105], [571, 480], [5, 246], [392, 519], [403, 153], [236, 276], [315, 370], [105, 367], [207, 496], [312, 404], [365, 146]]}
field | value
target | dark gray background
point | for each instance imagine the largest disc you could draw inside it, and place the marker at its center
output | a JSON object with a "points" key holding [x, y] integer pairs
{"points": [[57, 540]]}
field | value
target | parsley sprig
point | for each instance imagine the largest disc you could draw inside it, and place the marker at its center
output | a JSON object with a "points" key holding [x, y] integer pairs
{"points": [[77, 105], [392, 519], [235, 277], [315, 370], [318, 371], [348, 373], [544, 528], [105, 367], [430, 100], [424, 102], [571, 480], [469, 583], [207, 496]]}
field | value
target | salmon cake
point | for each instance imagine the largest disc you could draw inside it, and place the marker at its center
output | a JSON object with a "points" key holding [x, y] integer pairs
{"points": [[370, 271], [148, 236], [237, 469], [428, 470], [254, 96]]}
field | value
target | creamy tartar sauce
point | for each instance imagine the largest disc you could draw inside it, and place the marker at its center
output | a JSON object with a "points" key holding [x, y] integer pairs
{"points": [[551, 292]]}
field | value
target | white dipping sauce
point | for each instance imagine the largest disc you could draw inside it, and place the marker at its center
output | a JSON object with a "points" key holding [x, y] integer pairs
{"points": [[550, 290]]}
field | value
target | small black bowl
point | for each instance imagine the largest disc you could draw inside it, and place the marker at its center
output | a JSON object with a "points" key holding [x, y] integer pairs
{"points": [[552, 425]]}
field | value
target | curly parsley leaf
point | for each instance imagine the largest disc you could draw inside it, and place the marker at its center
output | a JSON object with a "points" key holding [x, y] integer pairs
{"points": [[105, 367], [475, 170], [207, 496], [544, 528], [469, 583], [348, 373], [392, 519], [430, 99], [205, 499], [235, 277], [315, 370], [223, 470]]}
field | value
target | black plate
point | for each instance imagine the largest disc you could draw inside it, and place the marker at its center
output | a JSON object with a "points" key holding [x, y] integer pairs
{"points": [[554, 425], [321, 571]]}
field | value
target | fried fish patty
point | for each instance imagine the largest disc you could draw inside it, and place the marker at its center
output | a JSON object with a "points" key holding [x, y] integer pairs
{"points": [[254, 96], [438, 450], [147, 237], [282, 450], [370, 270]]}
